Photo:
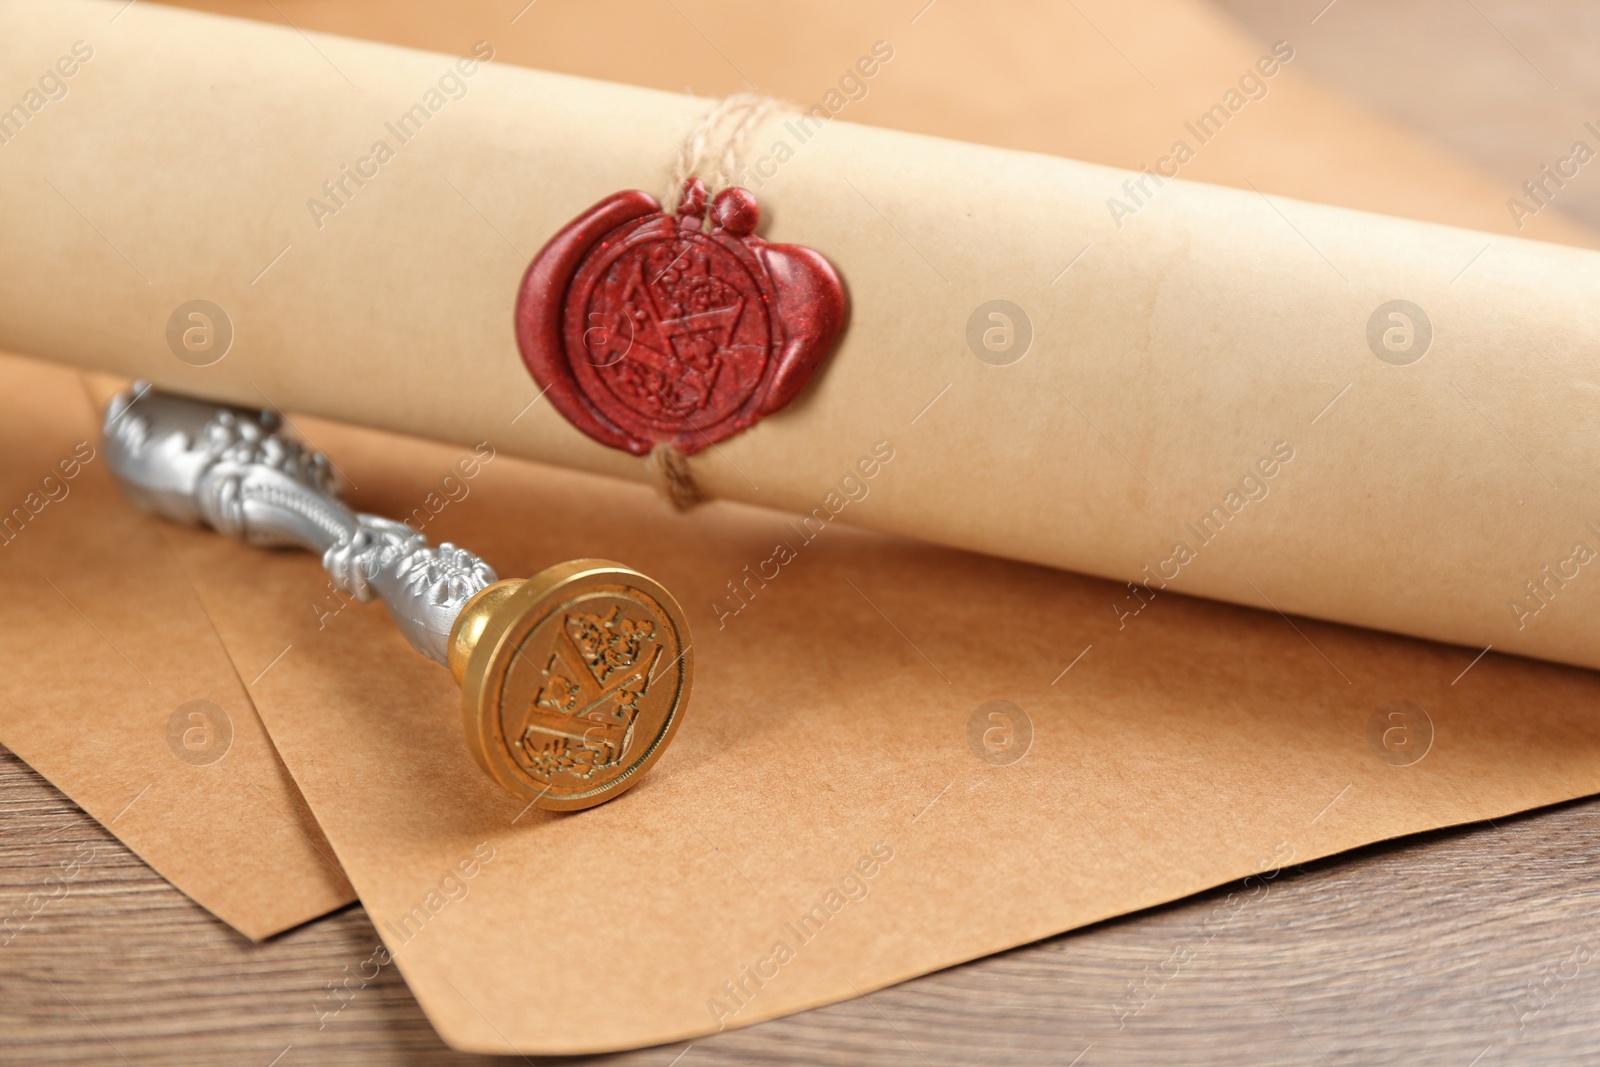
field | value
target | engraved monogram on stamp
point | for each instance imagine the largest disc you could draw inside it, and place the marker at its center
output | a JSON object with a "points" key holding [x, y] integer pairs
{"points": [[591, 684], [581, 721]]}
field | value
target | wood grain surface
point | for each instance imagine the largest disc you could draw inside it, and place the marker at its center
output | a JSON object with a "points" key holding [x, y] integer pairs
{"points": [[1466, 948], [1461, 947]]}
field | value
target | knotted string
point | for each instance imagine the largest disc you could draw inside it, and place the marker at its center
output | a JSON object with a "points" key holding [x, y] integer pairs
{"points": [[719, 140]]}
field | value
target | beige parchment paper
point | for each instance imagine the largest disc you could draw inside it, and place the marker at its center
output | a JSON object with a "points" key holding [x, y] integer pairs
{"points": [[846, 805], [115, 686], [1178, 353]]}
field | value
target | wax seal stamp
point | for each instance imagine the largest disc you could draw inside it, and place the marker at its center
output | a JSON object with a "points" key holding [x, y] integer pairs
{"points": [[573, 681], [646, 328]]}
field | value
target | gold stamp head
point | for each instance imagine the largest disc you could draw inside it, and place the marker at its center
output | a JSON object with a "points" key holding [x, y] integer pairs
{"points": [[573, 681]]}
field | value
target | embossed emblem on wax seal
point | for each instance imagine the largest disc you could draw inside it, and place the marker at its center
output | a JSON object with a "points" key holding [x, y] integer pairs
{"points": [[646, 328]]}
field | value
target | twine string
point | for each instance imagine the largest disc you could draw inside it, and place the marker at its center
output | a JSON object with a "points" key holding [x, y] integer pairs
{"points": [[717, 142]]}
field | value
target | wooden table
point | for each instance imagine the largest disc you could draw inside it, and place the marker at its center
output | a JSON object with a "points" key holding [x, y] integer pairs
{"points": [[1459, 948], [1474, 946]]}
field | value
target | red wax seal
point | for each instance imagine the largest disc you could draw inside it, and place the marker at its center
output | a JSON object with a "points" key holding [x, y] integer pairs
{"points": [[644, 328]]}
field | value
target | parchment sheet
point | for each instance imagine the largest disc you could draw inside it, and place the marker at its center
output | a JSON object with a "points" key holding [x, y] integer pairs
{"points": [[841, 809], [1175, 357], [114, 685]]}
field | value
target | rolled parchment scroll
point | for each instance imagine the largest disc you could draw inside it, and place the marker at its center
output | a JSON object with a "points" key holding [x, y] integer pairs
{"points": [[1204, 391]]}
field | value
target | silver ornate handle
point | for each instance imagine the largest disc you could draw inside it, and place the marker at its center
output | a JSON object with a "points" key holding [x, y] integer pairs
{"points": [[237, 471]]}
